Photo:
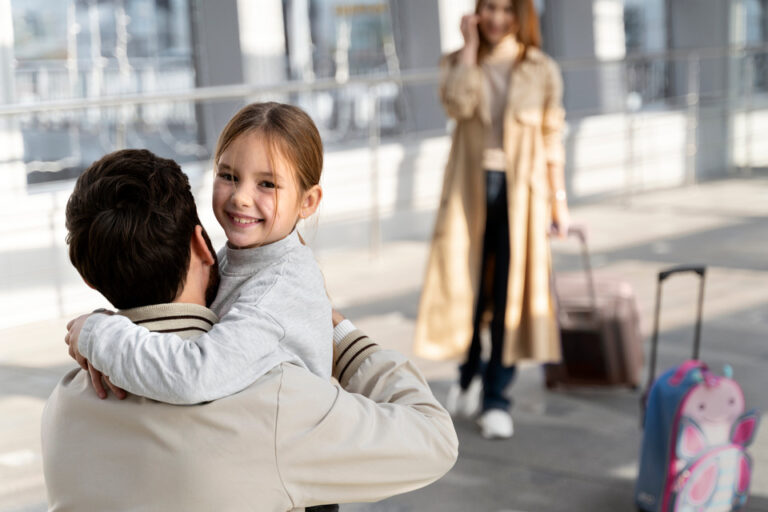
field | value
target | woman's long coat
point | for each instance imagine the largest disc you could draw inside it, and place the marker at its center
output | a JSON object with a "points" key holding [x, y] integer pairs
{"points": [[533, 123]]}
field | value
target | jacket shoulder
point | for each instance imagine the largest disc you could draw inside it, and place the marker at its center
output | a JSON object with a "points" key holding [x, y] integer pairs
{"points": [[538, 56], [449, 59], [299, 408]]}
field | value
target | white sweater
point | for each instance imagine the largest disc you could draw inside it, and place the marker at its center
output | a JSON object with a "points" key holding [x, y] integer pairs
{"points": [[273, 309]]}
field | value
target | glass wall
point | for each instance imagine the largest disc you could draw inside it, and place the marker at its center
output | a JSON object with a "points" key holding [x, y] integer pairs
{"points": [[645, 32], [93, 48], [350, 39], [756, 25]]}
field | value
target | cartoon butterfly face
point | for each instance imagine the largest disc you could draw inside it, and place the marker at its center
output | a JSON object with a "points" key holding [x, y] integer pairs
{"points": [[715, 400]]}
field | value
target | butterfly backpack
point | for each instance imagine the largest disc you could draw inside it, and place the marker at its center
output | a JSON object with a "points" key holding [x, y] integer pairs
{"points": [[693, 456], [696, 431]]}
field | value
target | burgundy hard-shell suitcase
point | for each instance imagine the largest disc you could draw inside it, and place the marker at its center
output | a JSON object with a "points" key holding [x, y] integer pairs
{"points": [[599, 329]]}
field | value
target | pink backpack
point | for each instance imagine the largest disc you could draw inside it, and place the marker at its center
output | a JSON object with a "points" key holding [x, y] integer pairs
{"points": [[693, 456]]}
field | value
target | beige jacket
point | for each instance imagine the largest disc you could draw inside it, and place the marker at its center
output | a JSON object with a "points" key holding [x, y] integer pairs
{"points": [[288, 441], [533, 123]]}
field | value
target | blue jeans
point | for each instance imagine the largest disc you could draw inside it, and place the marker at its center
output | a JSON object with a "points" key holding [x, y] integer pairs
{"points": [[495, 263]]}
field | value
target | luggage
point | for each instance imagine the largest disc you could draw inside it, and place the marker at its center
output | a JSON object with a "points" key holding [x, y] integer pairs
{"points": [[693, 454], [599, 329]]}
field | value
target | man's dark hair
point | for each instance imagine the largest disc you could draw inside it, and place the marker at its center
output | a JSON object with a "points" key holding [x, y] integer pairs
{"points": [[130, 219]]}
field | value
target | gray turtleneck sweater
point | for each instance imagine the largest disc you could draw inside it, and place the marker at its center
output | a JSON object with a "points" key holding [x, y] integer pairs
{"points": [[273, 308]]}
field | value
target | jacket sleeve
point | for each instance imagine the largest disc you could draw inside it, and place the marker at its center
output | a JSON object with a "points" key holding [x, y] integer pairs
{"points": [[384, 433], [460, 88], [554, 115], [240, 348]]}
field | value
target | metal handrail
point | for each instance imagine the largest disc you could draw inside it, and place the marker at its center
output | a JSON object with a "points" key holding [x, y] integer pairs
{"points": [[677, 54], [218, 92], [236, 91]]}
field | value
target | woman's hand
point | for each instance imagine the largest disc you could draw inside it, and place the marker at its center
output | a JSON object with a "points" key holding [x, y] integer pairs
{"points": [[561, 217], [469, 30], [471, 38]]}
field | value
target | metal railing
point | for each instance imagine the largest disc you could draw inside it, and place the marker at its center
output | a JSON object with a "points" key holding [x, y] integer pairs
{"points": [[645, 81], [680, 92], [634, 85]]}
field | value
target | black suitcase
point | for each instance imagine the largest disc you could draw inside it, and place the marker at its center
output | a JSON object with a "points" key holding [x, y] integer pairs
{"points": [[599, 320]]}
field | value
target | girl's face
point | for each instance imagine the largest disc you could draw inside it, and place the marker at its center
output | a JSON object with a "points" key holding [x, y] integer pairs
{"points": [[496, 20], [255, 203]]}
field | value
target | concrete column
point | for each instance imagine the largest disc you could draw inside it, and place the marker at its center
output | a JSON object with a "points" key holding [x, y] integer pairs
{"points": [[587, 29], [13, 177], [696, 24], [416, 26], [700, 24], [299, 40], [217, 59], [262, 41]]}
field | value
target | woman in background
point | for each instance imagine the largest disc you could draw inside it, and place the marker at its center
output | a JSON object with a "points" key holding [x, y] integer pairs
{"points": [[503, 189]]}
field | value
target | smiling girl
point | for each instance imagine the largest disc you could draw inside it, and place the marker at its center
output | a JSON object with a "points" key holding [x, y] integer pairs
{"points": [[271, 301]]}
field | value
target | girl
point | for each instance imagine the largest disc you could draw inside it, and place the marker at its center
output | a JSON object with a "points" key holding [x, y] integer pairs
{"points": [[271, 299], [503, 182]]}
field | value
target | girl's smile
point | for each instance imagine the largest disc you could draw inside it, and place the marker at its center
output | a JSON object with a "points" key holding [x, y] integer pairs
{"points": [[255, 196], [242, 219]]}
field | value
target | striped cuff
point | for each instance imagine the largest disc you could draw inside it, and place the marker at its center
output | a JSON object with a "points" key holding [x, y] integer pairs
{"points": [[342, 330], [350, 353]]}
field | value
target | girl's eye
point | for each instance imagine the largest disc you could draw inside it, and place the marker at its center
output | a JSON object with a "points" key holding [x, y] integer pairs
{"points": [[226, 176], [267, 184]]}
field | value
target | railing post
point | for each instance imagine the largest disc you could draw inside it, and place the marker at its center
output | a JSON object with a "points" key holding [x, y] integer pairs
{"points": [[692, 105], [120, 128], [632, 103], [373, 147], [57, 277], [749, 83]]}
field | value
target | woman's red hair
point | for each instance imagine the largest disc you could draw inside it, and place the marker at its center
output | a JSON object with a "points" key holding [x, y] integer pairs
{"points": [[526, 27]]}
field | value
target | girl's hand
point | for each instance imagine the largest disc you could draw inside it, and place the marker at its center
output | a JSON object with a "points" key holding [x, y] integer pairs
{"points": [[73, 334], [97, 379], [336, 317]]}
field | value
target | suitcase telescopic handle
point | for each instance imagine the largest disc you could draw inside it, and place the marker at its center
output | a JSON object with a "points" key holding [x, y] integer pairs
{"points": [[698, 269], [578, 231], [701, 271]]}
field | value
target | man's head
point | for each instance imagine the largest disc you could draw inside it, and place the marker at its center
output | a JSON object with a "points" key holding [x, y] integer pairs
{"points": [[132, 228]]}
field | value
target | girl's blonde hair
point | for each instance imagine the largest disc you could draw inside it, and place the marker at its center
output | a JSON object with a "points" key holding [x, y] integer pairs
{"points": [[526, 24], [289, 132]]}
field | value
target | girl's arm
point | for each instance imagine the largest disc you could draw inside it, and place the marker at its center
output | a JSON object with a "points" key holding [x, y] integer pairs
{"points": [[239, 349]]}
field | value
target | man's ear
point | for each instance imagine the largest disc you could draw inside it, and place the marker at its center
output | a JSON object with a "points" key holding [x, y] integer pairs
{"points": [[311, 201], [199, 247]]}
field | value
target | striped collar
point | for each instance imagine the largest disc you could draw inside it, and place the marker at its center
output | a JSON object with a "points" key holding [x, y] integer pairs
{"points": [[186, 320]]}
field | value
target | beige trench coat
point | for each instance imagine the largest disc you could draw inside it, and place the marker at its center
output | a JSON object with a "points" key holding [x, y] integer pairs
{"points": [[533, 123]]}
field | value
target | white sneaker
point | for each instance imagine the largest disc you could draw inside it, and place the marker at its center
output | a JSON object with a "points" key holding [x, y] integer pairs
{"points": [[496, 424], [464, 403]]}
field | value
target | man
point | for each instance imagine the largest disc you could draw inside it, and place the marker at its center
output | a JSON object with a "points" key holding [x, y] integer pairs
{"points": [[288, 441]]}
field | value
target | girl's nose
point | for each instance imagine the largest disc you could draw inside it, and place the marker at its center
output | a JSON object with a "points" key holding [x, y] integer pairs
{"points": [[240, 197]]}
